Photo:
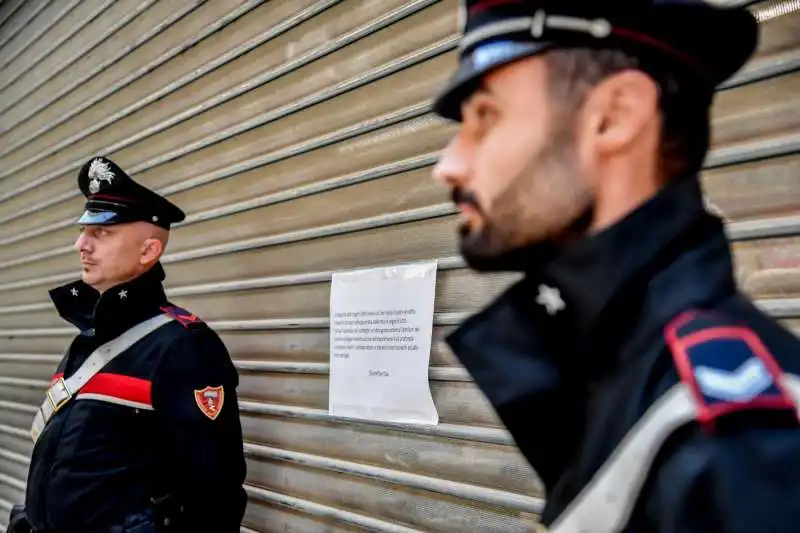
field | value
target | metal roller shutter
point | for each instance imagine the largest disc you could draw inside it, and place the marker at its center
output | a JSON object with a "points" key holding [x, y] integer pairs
{"points": [[296, 135]]}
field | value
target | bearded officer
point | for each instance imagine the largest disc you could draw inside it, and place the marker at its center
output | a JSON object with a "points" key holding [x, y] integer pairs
{"points": [[644, 389], [140, 430]]}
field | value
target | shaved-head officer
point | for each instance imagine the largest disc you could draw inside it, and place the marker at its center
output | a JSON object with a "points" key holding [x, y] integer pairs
{"points": [[139, 431], [647, 392]]}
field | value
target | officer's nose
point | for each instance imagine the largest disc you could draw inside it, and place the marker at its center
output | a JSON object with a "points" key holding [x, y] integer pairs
{"points": [[82, 242], [453, 166]]}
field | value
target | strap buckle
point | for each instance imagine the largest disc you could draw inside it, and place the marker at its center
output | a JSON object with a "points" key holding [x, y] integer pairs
{"points": [[58, 394]]}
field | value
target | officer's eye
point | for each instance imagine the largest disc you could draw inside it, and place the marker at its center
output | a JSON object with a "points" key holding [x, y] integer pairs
{"points": [[481, 112], [485, 113]]}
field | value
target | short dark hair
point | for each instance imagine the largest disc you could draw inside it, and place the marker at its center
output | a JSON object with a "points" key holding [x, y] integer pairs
{"points": [[685, 103]]}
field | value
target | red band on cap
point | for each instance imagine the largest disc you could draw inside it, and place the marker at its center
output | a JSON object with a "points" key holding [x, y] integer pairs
{"points": [[109, 197], [487, 4], [633, 35]]}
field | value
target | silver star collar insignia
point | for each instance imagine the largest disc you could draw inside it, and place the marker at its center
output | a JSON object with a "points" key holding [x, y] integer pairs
{"points": [[550, 299], [123, 294]]}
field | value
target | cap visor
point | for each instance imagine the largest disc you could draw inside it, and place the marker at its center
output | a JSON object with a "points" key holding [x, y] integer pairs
{"points": [[91, 218], [481, 60]]}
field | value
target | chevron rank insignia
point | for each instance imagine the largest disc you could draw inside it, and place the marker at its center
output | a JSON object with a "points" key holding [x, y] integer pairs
{"points": [[726, 366]]}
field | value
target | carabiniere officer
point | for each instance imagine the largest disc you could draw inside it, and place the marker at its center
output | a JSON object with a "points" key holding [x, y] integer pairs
{"points": [[646, 391], [139, 431]]}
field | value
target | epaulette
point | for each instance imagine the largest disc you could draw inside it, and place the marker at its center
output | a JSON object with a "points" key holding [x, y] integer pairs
{"points": [[186, 318], [725, 365]]}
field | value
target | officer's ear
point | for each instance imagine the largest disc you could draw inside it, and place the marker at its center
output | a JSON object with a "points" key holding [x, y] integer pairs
{"points": [[153, 241], [621, 112], [152, 249]]}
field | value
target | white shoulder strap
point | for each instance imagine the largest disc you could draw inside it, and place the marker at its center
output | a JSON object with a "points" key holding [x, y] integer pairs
{"points": [[62, 391], [606, 503]]}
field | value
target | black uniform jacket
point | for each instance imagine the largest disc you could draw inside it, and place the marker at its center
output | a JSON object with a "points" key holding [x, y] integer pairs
{"points": [[142, 428], [647, 303]]}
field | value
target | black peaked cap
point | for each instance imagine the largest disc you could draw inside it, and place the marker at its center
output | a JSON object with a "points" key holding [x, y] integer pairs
{"points": [[113, 197]]}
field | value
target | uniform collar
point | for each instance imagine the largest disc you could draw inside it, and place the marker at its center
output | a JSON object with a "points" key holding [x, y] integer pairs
{"points": [[588, 297], [603, 273], [115, 310]]}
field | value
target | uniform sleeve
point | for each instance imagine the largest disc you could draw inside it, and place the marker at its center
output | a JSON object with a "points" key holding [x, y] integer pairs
{"points": [[737, 482], [194, 395]]}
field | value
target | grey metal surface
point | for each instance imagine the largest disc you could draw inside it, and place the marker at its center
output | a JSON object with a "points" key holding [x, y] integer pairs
{"points": [[37, 31], [255, 82], [7, 10], [298, 149], [29, 12], [76, 21], [24, 139], [25, 89], [218, 23]]}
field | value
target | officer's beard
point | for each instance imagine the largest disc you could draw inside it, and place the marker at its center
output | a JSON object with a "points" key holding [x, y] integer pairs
{"points": [[550, 179]]}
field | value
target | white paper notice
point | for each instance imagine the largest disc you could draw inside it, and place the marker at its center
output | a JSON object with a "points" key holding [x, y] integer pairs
{"points": [[381, 329]]}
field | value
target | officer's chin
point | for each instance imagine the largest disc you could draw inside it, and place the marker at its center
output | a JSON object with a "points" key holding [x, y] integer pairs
{"points": [[483, 254], [89, 275]]}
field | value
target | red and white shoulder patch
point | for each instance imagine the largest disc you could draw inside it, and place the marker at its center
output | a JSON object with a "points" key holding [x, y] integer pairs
{"points": [[726, 365]]}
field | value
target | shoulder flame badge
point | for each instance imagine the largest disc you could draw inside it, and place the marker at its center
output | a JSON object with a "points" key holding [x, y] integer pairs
{"points": [[210, 401]]}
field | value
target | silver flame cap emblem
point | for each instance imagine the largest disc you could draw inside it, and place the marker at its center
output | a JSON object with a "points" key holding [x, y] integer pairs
{"points": [[99, 171]]}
